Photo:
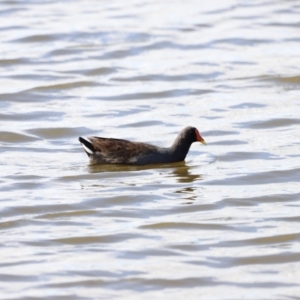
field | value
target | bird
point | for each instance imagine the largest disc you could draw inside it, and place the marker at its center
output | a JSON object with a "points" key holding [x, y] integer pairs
{"points": [[102, 150]]}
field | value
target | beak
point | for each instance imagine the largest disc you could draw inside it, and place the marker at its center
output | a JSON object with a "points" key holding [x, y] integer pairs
{"points": [[200, 138]]}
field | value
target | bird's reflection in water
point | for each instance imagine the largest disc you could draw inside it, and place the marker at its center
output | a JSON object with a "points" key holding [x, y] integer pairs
{"points": [[183, 174], [189, 193], [180, 170], [113, 168]]}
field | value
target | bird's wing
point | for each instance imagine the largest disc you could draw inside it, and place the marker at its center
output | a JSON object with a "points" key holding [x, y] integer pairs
{"points": [[121, 151]]}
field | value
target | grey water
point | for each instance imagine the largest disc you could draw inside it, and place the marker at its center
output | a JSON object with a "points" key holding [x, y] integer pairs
{"points": [[224, 224]]}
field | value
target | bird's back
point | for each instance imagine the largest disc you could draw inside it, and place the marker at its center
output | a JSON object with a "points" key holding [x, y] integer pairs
{"points": [[117, 151]]}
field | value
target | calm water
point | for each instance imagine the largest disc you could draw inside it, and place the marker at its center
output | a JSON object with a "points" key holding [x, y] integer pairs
{"points": [[224, 224]]}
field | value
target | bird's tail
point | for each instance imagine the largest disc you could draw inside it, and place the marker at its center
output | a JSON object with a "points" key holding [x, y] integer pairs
{"points": [[87, 146]]}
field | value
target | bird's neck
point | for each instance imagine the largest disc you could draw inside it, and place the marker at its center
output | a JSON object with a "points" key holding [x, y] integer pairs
{"points": [[180, 147]]}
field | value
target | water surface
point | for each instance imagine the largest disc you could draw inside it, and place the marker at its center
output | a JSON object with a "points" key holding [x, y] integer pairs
{"points": [[224, 224]]}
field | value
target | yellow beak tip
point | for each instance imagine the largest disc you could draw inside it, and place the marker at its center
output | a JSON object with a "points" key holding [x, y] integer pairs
{"points": [[203, 142]]}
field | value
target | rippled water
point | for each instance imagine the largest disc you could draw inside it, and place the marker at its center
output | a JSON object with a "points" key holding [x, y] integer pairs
{"points": [[224, 224]]}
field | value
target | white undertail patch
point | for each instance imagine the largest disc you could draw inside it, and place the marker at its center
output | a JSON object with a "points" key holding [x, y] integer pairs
{"points": [[88, 150]]}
